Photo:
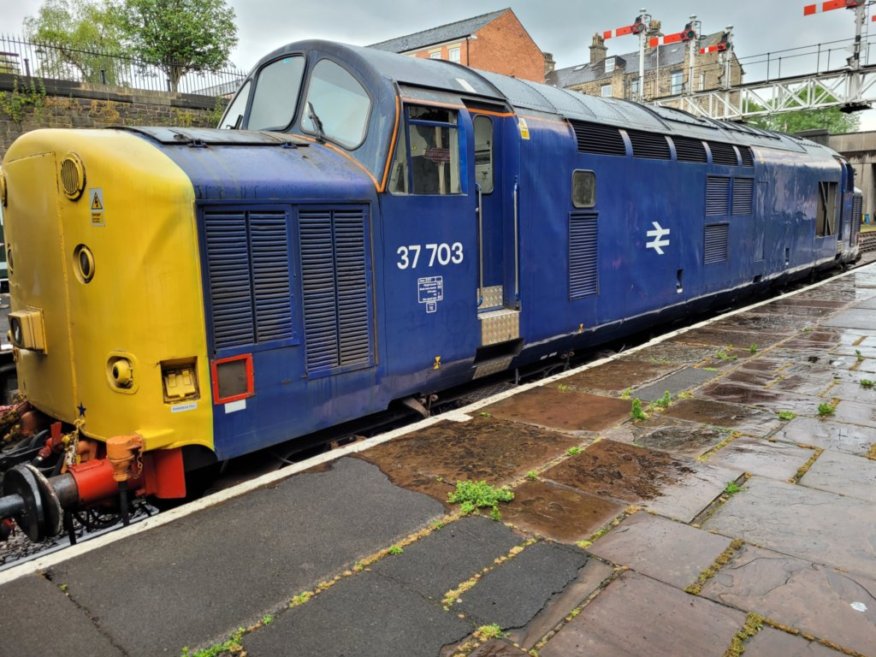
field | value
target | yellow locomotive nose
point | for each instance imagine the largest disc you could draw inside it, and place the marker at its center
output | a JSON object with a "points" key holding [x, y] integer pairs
{"points": [[106, 286]]}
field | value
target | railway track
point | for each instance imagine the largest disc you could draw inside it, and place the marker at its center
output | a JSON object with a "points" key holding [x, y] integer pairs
{"points": [[18, 549]]}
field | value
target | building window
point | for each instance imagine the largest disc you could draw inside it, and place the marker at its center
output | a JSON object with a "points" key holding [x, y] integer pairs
{"points": [[454, 54], [702, 81], [677, 82], [609, 65], [634, 87], [605, 91], [435, 54]]}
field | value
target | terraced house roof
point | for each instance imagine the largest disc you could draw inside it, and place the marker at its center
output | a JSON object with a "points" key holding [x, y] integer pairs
{"points": [[440, 34]]}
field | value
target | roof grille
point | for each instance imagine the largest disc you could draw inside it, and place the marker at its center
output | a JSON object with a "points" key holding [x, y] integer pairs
{"points": [[723, 153], [649, 145], [747, 156], [598, 138], [690, 150]]}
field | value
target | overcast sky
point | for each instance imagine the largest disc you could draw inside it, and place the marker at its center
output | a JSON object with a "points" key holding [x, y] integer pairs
{"points": [[562, 27]]}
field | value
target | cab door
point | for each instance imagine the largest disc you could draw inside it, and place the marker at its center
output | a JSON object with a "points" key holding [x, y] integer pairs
{"points": [[495, 154]]}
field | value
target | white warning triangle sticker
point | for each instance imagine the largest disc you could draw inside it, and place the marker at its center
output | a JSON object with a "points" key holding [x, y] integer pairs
{"points": [[96, 199]]}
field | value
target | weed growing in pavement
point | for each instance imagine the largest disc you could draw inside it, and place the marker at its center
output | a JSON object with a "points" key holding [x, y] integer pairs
{"points": [[663, 402], [301, 598], [487, 632], [866, 383], [267, 619], [753, 349], [722, 560], [495, 514], [636, 411], [724, 355], [564, 387], [786, 416], [826, 410], [732, 488], [486, 414], [396, 549], [753, 624], [532, 475], [573, 451], [627, 394], [231, 645], [471, 495], [685, 394], [858, 355]]}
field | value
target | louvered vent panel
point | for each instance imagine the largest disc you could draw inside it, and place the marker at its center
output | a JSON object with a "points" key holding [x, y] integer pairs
{"points": [[228, 270], [717, 195], [598, 138], [747, 156], [857, 202], [743, 191], [269, 248], [318, 287], [337, 315], [583, 255], [353, 317], [716, 243], [723, 153], [690, 150], [649, 145]]}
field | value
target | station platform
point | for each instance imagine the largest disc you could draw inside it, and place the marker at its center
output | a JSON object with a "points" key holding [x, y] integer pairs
{"points": [[735, 513]]}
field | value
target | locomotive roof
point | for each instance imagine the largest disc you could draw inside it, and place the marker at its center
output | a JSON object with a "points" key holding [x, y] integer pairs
{"points": [[381, 69]]}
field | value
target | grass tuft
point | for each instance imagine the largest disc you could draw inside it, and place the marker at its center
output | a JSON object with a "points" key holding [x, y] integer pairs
{"points": [[472, 495]]}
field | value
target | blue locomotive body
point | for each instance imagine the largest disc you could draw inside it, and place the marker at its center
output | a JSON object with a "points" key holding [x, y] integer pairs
{"points": [[374, 226]]}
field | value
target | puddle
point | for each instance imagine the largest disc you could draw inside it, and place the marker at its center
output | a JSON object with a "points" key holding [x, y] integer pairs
{"points": [[770, 322], [617, 375], [817, 338], [432, 460], [674, 352], [563, 409], [619, 471], [557, 512]]}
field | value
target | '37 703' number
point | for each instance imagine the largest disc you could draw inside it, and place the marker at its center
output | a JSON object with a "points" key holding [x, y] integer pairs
{"points": [[443, 254]]}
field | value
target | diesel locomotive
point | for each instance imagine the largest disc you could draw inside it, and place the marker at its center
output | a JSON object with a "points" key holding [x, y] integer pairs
{"points": [[365, 227]]}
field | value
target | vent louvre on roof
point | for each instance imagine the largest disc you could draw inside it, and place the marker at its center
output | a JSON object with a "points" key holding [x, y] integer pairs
{"points": [[598, 138]]}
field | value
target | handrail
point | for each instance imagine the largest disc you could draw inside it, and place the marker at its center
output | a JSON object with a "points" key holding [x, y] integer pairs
{"points": [[480, 212]]}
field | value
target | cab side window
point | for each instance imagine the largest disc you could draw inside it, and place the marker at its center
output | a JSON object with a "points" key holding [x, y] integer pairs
{"points": [[427, 153]]}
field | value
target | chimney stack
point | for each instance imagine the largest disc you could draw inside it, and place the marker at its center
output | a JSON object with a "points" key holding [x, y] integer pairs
{"points": [[597, 50]]}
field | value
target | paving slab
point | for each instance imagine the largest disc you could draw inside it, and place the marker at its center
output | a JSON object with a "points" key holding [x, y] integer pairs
{"points": [[563, 409], [675, 353], [736, 393], [836, 436], [688, 497], [432, 460], [512, 594], [37, 620], [315, 525], [843, 474], [755, 323], [746, 419], [855, 318], [636, 616], [854, 391], [689, 377], [668, 551], [774, 643], [617, 375], [816, 599], [558, 512], [767, 459], [618, 471], [851, 412], [738, 341], [594, 574], [438, 563], [667, 434], [803, 522], [366, 616]]}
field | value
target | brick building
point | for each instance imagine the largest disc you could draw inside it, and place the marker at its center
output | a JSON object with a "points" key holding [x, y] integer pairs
{"points": [[495, 42], [667, 71]]}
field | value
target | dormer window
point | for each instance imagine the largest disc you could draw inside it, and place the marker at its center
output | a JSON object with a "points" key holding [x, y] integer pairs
{"points": [[609, 65]]}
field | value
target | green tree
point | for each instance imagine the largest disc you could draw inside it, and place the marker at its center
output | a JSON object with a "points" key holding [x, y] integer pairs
{"points": [[180, 35], [82, 34], [831, 119]]}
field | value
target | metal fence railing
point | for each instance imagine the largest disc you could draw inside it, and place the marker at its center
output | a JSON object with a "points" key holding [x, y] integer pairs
{"points": [[53, 61]]}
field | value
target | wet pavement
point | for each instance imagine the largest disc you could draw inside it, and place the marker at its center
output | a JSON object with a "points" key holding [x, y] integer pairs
{"points": [[739, 517]]}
